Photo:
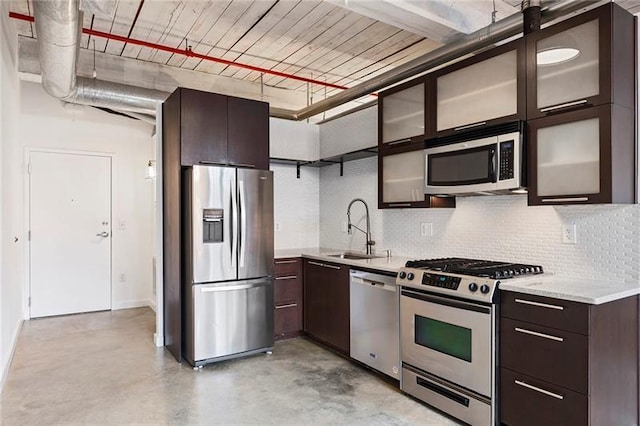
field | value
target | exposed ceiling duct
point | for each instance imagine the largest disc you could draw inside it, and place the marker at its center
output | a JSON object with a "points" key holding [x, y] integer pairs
{"points": [[58, 29], [57, 26]]}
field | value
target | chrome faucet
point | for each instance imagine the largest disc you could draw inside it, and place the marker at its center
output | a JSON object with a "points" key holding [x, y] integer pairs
{"points": [[370, 242]]}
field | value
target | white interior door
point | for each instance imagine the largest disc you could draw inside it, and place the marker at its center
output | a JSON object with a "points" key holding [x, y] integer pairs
{"points": [[70, 224]]}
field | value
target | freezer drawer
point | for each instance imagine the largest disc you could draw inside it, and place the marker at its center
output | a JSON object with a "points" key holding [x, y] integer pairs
{"points": [[227, 320]]}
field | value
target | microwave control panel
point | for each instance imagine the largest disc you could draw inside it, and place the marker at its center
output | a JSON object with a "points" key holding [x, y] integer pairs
{"points": [[506, 160]]}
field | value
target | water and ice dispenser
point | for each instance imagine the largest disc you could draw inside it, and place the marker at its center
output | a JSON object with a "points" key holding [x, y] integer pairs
{"points": [[212, 225]]}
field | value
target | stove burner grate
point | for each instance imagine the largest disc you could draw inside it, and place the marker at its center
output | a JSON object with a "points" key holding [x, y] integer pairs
{"points": [[476, 267]]}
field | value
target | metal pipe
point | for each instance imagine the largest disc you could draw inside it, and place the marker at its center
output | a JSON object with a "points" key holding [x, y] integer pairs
{"points": [[531, 15], [58, 44], [91, 91], [187, 52]]}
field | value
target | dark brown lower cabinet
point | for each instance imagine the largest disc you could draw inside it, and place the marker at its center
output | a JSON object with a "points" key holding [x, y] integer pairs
{"points": [[326, 303], [568, 363], [288, 298]]}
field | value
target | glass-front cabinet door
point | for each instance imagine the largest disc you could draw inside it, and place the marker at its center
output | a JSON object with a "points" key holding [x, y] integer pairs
{"points": [[401, 114], [485, 89], [582, 157], [582, 62], [401, 180]]}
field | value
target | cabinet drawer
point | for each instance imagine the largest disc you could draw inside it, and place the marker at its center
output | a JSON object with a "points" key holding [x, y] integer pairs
{"points": [[287, 289], [525, 401], [288, 266], [555, 356], [554, 313], [287, 319]]}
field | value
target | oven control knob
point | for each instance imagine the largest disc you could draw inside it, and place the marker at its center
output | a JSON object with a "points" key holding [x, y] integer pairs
{"points": [[484, 289], [473, 287], [410, 276], [402, 274]]}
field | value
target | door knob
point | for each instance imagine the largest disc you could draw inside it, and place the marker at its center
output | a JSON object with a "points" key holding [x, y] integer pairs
{"points": [[104, 234]]}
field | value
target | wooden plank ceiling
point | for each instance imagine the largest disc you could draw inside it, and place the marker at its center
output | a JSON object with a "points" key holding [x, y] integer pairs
{"points": [[321, 40]]}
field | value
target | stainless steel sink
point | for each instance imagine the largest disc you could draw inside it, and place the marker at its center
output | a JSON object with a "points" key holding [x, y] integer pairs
{"points": [[355, 256]]}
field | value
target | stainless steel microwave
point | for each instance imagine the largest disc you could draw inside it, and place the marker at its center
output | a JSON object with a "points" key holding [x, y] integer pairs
{"points": [[487, 165]]}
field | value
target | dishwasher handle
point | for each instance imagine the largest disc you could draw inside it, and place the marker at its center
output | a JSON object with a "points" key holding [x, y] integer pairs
{"points": [[379, 282]]}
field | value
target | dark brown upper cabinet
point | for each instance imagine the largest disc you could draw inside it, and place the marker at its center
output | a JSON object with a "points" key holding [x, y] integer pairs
{"points": [[221, 130], [485, 89], [582, 62], [401, 114], [582, 157], [248, 129], [401, 179]]}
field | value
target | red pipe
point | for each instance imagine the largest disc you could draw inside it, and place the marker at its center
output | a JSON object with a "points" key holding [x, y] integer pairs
{"points": [[189, 53]]}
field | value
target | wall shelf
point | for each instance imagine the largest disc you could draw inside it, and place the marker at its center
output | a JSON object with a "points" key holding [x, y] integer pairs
{"points": [[336, 159]]}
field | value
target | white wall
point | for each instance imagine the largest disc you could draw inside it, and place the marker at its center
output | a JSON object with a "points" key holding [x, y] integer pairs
{"points": [[45, 123], [296, 209], [498, 227], [10, 252]]}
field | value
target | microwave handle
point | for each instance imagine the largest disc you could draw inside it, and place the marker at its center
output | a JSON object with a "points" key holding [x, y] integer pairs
{"points": [[492, 172]]}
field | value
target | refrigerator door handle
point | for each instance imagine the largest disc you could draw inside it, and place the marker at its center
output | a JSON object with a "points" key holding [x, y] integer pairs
{"points": [[234, 226], [243, 222], [234, 287], [231, 218]]}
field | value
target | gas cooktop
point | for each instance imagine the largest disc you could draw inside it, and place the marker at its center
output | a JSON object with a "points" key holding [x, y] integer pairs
{"points": [[463, 278], [475, 267]]}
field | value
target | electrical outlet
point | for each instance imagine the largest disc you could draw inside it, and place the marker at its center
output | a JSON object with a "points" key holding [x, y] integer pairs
{"points": [[426, 229], [343, 227], [569, 234], [278, 228], [123, 277]]}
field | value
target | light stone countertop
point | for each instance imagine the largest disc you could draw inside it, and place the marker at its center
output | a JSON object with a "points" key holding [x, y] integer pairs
{"points": [[391, 264], [566, 288]]}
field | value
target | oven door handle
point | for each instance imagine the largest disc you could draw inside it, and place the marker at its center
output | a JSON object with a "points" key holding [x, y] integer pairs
{"points": [[446, 301]]}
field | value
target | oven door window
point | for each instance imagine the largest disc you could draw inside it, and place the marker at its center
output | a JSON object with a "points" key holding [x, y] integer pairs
{"points": [[443, 337], [462, 167]]}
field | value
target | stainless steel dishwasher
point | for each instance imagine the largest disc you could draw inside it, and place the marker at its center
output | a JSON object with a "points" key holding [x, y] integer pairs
{"points": [[374, 321]]}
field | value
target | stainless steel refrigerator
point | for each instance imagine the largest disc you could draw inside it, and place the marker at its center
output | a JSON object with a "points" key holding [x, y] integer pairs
{"points": [[229, 263]]}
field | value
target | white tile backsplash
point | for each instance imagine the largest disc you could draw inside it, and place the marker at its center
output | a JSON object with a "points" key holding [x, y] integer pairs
{"points": [[296, 206], [491, 227]]}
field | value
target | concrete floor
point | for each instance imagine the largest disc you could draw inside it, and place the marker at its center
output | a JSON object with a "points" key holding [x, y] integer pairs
{"points": [[102, 369]]}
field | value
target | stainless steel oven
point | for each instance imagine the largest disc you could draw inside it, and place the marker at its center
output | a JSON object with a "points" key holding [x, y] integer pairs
{"points": [[449, 338], [448, 333]]}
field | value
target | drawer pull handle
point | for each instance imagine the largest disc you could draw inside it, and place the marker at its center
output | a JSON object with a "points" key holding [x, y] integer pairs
{"points": [[565, 200], [289, 277], [290, 305], [282, 262], [331, 266], [537, 389], [540, 305], [324, 265], [567, 105], [400, 205], [534, 333]]}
